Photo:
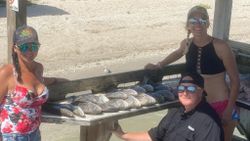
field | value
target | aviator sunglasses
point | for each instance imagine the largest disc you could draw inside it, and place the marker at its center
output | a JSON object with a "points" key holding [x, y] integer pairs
{"points": [[194, 21], [190, 89], [29, 46]]}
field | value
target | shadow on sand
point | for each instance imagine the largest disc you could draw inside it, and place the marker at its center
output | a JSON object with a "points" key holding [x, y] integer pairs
{"points": [[38, 10]]}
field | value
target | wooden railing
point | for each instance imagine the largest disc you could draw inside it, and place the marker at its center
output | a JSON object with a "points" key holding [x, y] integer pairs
{"points": [[102, 83]]}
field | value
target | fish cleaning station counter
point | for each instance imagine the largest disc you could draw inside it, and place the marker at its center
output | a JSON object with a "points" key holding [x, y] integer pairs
{"points": [[93, 120], [97, 127]]}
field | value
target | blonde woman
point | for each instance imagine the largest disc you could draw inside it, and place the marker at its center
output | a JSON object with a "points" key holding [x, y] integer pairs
{"points": [[213, 59]]}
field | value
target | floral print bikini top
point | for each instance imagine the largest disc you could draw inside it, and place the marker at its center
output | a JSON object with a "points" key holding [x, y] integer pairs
{"points": [[21, 110]]}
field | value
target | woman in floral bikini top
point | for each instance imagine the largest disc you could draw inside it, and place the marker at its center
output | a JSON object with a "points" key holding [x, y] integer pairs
{"points": [[22, 90], [21, 111]]}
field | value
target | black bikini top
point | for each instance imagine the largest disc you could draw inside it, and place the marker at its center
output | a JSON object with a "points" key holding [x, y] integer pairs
{"points": [[203, 60]]}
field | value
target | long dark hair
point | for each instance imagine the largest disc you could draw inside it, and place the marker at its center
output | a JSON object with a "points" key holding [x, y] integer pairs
{"points": [[16, 65]]}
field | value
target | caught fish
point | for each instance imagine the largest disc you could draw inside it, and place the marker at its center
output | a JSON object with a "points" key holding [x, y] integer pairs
{"points": [[121, 104], [163, 95], [58, 109], [148, 87], [158, 97], [114, 105], [67, 100], [90, 108], [130, 92], [139, 89], [146, 100], [161, 86], [101, 98], [117, 95], [97, 99], [107, 107], [78, 111], [133, 102]]}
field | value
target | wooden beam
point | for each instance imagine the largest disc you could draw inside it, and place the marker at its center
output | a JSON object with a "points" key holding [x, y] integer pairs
{"points": [[239, 46], [102, 83], [242, 53], [98, 132], [14, 19], [222, 19]]}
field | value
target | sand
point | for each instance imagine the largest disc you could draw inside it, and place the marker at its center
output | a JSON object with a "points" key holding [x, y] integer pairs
{"points": [[80, 38]]}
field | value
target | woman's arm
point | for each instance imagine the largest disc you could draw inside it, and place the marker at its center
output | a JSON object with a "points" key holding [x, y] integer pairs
{"points": [[5, 76], [172, 57], [130, 136], [228, 58]]}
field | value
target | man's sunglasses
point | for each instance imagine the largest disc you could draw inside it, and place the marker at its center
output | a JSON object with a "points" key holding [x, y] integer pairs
{"points": [[194, 21], [190, 89], [29, 46]]}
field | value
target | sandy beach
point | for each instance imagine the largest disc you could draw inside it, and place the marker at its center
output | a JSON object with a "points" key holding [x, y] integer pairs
{"points": [[80, 38]]}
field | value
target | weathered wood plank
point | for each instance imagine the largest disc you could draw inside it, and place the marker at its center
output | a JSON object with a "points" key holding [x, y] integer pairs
{"points": [[243, 62], [222, 19], [99, 132], [239, 47], [242, 53], [101, 83], [14, 19]]}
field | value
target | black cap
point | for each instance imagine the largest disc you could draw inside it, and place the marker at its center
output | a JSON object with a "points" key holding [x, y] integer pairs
{"points": [[197, 79]]}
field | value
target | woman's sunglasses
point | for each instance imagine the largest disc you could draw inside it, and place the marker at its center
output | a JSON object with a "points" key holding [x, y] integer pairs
{"points": [[29, 46], [194, 21], [190, 89]]}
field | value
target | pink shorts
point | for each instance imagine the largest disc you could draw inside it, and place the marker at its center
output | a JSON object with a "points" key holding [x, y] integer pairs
{"points": [[220, 107]]}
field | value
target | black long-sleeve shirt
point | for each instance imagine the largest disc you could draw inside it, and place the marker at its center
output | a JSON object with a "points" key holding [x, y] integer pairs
{"points": [[200, 124]]}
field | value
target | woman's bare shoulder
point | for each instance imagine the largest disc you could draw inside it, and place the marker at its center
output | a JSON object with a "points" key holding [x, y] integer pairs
{"points": [[184, 43], [222, 48], [219, 43], [6, 70]]}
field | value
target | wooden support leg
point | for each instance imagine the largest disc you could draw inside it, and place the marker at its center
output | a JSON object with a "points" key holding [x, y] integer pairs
{"points": [[99, 132]]}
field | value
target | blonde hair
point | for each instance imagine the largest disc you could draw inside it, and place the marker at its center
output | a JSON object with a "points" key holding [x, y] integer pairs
{"points": [[196, 9]]}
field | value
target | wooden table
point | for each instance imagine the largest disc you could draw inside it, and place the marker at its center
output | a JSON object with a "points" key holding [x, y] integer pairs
{"points": [[96, 127]]}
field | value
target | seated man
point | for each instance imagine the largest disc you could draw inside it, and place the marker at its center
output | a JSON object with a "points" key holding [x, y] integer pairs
{"points": [[195, 121]]}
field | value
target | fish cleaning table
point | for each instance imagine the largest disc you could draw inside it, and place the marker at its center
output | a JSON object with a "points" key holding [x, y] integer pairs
{"points": [[91, 120], [96, 127]]}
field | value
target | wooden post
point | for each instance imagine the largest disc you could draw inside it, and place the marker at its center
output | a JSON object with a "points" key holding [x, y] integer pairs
{"points": [[14, 19], [99, 132], [222, 18]]}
